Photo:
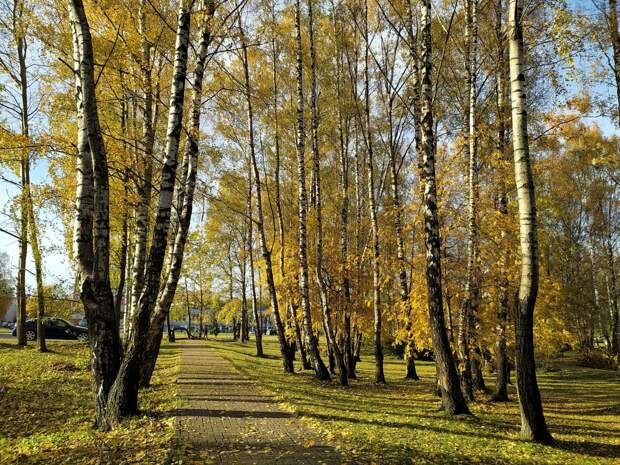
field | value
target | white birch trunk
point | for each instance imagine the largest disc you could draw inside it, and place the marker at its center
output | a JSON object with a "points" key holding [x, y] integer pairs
{"points": [[533, 425]]}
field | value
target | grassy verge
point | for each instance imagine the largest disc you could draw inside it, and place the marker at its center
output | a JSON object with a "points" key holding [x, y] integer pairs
{"points": [[46, 410], [401, 422]]}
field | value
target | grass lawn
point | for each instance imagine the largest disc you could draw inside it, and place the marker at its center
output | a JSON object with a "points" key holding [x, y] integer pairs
{"points": [[400, 423], [46, 410]]}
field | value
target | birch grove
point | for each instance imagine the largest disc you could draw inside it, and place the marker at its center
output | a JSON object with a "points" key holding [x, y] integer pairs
{"points": [[350, 182]]}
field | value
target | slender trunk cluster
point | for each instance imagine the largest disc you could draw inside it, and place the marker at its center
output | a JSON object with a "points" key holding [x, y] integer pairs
{"points": [[124, 395], [260, 224], [372, 206], [343, 140], [186, 187], [311, 341], [145, 160], [469, 306], [330, 334], [502, 368], [25, 201]]}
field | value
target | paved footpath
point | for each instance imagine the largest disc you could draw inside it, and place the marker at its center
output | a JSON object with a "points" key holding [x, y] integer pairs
{"points": [[226, 419]]}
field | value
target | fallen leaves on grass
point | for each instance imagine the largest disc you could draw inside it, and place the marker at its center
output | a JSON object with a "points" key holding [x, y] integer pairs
{"points": [[47, 411]]}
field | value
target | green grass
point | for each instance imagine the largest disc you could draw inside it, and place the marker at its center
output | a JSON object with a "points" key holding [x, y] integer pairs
{"points": [[46, 410], [401, 422]]}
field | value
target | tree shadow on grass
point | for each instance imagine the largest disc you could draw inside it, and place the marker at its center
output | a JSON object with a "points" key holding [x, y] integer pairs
{"points": [[590, 448]]}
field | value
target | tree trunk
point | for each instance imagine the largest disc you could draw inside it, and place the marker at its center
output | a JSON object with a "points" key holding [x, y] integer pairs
{"points": [[343, 138], [451, 394], [613, 287], [333, 348], [502, 368], [615, 43], [124, 246], [200, 325], [533, 425], [189, 314], [185, 195], [91, 236], [247, 254], [284, 347], [469, 306], [400, 241], [145, 158], [124, 395], [38, 267], [25, 181], [311, 341], [370, 168]]}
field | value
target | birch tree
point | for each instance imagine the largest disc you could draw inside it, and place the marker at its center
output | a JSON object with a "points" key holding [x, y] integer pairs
{"points": [[320, 272], [311, 341], [502, 369], [372, 206], [447, 376], [533, 425], [92, 233], [124, 394], [185, 188], [469, 306]]}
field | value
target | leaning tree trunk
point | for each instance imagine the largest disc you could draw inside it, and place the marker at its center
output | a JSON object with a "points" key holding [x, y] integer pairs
{"points": [[448, 379], [502, 368], [330, 335], [91, 234], [124, 394], [372, 206], [284, 346], [185, 195], [533, 425], [311, 341]]}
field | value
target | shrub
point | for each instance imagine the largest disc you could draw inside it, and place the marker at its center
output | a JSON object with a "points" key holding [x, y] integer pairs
{"points": [[593, 358]]}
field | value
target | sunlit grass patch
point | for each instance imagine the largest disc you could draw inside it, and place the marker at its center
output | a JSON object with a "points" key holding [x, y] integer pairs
{"points": [[402, 423], [46, 410]]}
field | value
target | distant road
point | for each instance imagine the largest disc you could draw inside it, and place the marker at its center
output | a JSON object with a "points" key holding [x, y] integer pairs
{"points": [[5, 335]]}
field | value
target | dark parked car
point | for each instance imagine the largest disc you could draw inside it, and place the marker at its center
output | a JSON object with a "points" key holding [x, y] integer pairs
{"points": [[55, 328]]}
